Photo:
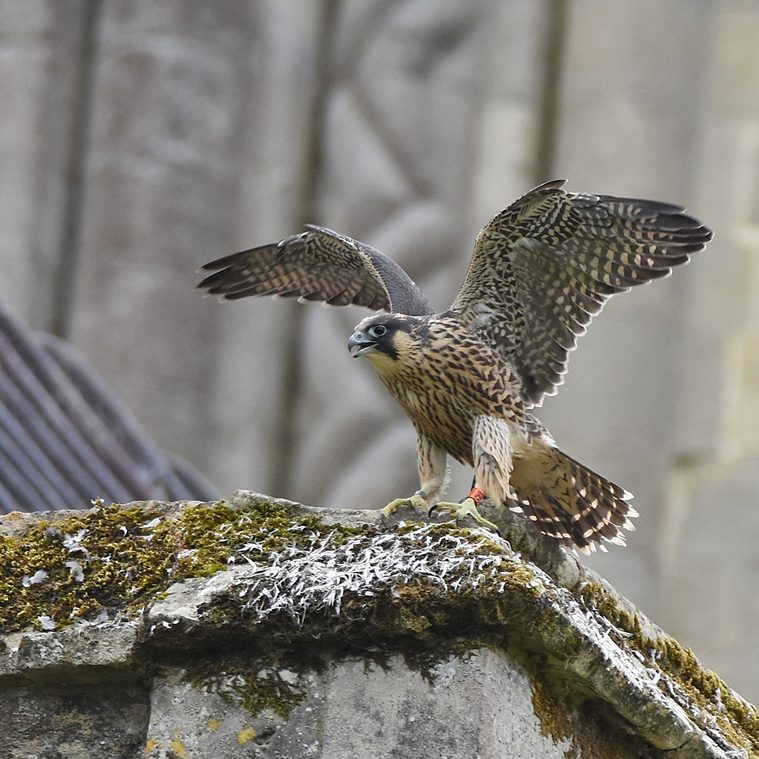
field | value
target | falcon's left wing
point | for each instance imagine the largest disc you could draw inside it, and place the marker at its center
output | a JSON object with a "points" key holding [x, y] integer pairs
{"points": [[545, 266]]}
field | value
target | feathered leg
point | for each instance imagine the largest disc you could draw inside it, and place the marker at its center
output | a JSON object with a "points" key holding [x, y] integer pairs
{"points": [[491, 457], [432, 462]]}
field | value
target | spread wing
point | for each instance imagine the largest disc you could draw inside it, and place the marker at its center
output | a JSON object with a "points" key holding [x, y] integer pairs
{"points": [[318, 265], [546, 265]]}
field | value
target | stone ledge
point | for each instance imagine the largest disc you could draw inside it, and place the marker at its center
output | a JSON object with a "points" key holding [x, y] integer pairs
{"points": [[274, 600]]}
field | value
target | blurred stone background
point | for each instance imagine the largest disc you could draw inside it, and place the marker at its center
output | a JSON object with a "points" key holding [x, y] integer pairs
{"points": [[139, 140]]}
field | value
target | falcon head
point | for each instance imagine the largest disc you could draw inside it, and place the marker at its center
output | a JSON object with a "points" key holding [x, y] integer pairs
{"points": [[382, 338]]}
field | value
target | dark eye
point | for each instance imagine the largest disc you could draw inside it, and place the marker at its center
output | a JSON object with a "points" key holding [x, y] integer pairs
{"points": [[378, 330]]}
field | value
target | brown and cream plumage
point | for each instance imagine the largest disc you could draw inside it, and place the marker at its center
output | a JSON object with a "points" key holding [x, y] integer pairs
{"points": [[470, 376]]}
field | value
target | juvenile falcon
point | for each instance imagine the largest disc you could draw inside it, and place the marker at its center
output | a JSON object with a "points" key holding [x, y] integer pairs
{"points": [[469, 377]]}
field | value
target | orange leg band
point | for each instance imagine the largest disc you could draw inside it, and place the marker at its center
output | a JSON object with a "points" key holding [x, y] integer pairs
{"points": [[477, 495]]}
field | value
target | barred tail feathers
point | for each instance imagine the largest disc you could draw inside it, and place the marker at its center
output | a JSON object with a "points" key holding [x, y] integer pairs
{"points": [[568, 501]]}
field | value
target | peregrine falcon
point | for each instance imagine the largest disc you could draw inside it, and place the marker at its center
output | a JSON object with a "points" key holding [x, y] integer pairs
{"points": [[469, 377]]}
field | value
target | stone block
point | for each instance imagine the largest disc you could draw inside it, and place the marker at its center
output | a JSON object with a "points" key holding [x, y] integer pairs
{"points": [[292, 631]]}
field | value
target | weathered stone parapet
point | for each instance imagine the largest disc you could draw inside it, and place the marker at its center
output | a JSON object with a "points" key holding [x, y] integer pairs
{"points": [[259, 627]]}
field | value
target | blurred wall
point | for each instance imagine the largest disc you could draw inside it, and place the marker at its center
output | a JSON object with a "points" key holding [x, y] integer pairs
{"points": [[140, 139]]}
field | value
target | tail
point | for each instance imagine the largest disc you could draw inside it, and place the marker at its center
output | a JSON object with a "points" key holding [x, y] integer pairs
{"points": [[568, 501]]}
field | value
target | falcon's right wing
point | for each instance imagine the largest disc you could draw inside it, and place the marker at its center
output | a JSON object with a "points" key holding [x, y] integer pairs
{"points": [[318, 265]]}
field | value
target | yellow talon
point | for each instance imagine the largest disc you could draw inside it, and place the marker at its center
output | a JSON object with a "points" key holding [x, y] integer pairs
{"points": [[459, 511], [418, 502], [467, 508]]}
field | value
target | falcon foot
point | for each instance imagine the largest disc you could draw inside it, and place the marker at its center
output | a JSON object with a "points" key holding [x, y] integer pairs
{"points": [[467, 508], [418, 502]]}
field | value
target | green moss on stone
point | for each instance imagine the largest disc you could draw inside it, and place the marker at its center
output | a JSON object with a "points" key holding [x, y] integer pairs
{"points": [[114, 559], [252, 684], [269, 691], [590, 729], [550, 710], [122, 556], [738, 720]]}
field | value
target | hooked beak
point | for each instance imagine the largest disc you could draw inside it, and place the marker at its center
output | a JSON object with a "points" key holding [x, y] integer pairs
{"points": [[360, 344]]}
